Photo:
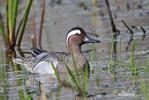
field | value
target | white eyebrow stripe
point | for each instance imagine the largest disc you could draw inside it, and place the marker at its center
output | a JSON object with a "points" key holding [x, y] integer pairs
{"points": [[72, 33]]}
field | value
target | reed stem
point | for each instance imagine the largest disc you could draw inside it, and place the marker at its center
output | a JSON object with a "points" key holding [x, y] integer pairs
{"points": [[2, 31], [24, 21], [41, 23], [34, 27]]}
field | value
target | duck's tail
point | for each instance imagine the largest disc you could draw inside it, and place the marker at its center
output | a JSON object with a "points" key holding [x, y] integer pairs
{"points": [[26, 62]]}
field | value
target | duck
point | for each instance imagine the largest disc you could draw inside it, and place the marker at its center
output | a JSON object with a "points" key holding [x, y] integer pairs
{"points": [[39, 61]]}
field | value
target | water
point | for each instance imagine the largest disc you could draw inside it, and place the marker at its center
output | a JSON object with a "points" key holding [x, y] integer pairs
{"points": [[59, 18]]}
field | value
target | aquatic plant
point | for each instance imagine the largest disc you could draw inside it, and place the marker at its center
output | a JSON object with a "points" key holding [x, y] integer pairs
{"points": [[2, 68], [120, 51], [11, 35], [82, 89], [3, 78], [75, 81], [131, 63], [144, 89], [148, 65], [56, 73], [41, 23], [92, 58], [94, 2], [111, 55], [25, 95]]}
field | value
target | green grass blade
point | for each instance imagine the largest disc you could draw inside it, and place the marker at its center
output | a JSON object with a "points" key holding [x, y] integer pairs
{"points": [[15, 10], [131, 64], [85, 80], [92, 54], [2, 31], [111, 56], [21, 95], [120, 51], [2, 68], [10, 18], [94, 1], [56, 73], [26, 13], [19, 27], [58, 92], [144, 89], [75, 69], [2, 57], [148, 68], [73, 78]]}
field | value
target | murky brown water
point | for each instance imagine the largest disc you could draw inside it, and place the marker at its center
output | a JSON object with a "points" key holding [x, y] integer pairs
{"points": [[59, 18]]}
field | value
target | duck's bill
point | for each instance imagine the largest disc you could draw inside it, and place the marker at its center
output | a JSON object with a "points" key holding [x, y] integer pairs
{"points": [[90, 40]]}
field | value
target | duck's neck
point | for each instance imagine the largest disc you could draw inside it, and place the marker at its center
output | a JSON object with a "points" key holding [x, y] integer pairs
{"points": [[75, 49]]}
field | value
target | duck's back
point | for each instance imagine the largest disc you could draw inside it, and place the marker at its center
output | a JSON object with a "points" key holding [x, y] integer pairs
{"points": [[40, 61]]}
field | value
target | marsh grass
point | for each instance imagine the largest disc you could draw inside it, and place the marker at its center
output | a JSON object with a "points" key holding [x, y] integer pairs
{"points": [[75, 78], [144, 89], [94, 2], [2, 67], [132, 66], [75, 70], [111, 55], [56, 73], [148, 65], [78, 86], [85, 80], [3, 78], [120, 51], [25, 95], [92, 58], [117, 62], [10, 34], [80, 90], [58, 92], [131, 63]]}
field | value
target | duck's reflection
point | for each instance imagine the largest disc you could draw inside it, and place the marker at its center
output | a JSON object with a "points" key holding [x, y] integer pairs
{"points": [[46, 85], [49, 88]]}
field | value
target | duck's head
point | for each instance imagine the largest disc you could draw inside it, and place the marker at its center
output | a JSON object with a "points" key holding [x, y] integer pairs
{"points": [[77, 36]]}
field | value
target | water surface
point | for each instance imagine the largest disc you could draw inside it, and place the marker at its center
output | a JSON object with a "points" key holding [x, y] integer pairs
{"points": [[116, 84]]}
